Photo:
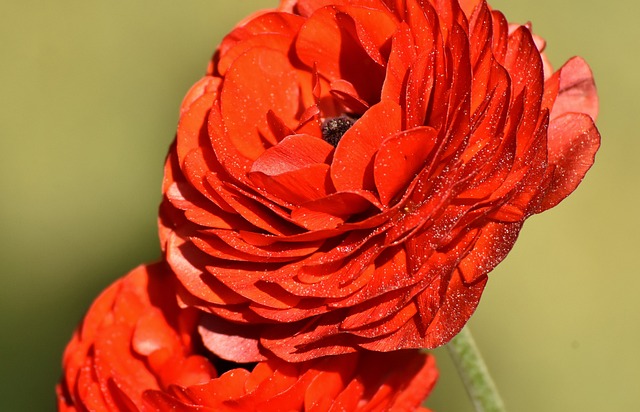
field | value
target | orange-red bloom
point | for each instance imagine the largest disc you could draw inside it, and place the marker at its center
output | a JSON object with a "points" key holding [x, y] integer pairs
{"points": [[137, 351], [348, 172]]}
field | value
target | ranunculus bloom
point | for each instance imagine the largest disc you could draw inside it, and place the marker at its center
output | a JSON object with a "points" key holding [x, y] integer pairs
{"points": [[137, 351], [348, 172]]}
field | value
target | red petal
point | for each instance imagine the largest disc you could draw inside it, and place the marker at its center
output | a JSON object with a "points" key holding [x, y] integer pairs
{"points": [[263, 30], [425, 375], [333, 210], [346, 56], [255, 209], [163, 402], [373, 311], [460, 301], [277, 126], [194, 116], [352, 166], [298, 186], [187, 371], [113, 359], [573, 143], [525, 70], [372, 29], [276, 252], [204, 86], [298, 342], [233, 162], [400, 158], [89, 392], [500, 35], [402, 54], [199, 210], [344, 91], [490, 248], [230, 342], [449, 13], [330, 380], [388, 325], [260, 80], [273, 41], [577, 90], [195, 280], [469, 5], [307, 7], [214, 394], [292, 153], [349, 398], [388, 275], [153, 333]]}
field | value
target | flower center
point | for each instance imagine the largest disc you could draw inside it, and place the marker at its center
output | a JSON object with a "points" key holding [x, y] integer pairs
{"points": [[333, 128]]}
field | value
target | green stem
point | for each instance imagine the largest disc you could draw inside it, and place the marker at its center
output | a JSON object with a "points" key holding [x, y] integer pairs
{"points": [[474, 373]]}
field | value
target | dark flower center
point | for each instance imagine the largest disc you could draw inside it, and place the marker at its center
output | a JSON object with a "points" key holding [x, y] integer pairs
{"points": [[333, 128]]}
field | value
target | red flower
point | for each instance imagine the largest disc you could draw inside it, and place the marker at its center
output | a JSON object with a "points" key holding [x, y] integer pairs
{"points": [[348, 172], [135, 351]]}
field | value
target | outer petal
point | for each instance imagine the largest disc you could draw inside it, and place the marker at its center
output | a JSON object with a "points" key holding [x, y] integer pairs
{"points": [[573, 143], [576, 90]]}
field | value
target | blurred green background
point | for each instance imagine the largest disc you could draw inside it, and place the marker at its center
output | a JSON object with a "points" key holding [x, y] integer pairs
{"points": [[90, 92]]}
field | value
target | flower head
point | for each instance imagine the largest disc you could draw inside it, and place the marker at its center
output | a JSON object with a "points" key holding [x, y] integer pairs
{"points": [[136, 350], [348, 172]]}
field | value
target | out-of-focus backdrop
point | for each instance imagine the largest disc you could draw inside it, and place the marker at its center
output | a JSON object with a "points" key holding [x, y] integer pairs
{"points": [[89, 95]]}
